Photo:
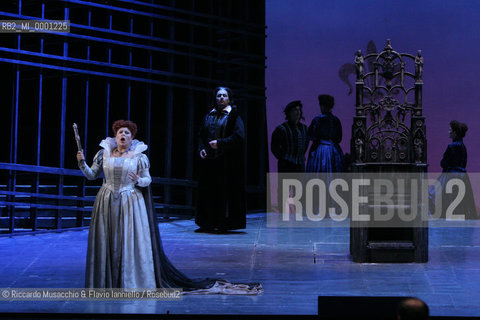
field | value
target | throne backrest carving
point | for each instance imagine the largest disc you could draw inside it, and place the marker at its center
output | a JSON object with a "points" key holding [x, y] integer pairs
{"points": [[388, 126]]}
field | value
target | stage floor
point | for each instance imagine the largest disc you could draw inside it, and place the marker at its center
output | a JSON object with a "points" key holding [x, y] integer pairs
{"points": [[294, 265]]}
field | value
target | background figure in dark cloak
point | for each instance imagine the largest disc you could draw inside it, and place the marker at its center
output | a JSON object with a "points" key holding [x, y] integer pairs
{"points": [[221, 196], [325, 131], [289, 140], [454, 163], [289, 144]]}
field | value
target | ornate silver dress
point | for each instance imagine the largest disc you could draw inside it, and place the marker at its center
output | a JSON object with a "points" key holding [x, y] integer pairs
{"points": [[124, 244], [119, 251]]}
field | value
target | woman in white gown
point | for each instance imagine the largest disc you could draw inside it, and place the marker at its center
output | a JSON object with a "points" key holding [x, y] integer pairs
{"points": [[124, 244], [119, 246]]}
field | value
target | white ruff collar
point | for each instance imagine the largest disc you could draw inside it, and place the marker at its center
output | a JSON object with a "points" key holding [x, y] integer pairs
{"points": [[110, 143]]}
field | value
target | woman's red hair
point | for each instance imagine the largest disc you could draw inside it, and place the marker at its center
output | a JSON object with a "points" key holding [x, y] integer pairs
{"points": [[125, 124]]}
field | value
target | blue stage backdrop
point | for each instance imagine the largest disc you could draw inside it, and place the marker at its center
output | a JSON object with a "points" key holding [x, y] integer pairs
{"points": [[309, 40]]}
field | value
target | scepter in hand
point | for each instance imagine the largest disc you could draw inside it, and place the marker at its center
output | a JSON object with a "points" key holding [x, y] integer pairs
{"points": [[80, 156]]}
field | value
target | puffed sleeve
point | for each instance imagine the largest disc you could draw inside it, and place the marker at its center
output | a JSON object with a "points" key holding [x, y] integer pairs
{"points": [[337, 138], [312, 129], [144, 174], [448, 157], [92, 173], [235, 139]]}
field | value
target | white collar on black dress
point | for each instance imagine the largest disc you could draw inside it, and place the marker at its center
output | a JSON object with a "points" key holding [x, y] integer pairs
{"points": [[227, 109]]}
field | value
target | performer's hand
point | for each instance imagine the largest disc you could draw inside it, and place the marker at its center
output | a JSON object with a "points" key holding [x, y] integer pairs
{"points": [[213, 144], [80, 156], [133, 176], [203, 154]]}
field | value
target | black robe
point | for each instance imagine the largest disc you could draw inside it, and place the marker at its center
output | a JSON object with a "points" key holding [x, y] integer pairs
{"points": [[221, 194]]}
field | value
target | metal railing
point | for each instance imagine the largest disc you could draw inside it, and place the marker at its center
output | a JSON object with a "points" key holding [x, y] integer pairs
{"points": [[37, 207]]}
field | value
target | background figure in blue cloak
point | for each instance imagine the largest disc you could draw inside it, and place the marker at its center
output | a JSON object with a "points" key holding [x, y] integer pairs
{"points": [[325, 132], [454, 163]]}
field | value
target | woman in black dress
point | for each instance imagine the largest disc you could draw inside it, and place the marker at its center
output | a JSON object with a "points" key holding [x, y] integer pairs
{"points": [[221, 196]]}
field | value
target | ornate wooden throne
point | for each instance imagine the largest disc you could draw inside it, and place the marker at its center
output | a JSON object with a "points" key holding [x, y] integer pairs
{"points": [[388, 137]]}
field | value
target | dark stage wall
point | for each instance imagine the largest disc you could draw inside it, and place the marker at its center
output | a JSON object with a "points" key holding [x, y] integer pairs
{"points": [[155, 62], [309, 40]]}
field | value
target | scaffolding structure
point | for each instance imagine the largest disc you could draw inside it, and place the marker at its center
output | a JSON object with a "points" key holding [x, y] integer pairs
{"points": [[154, 62]]}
